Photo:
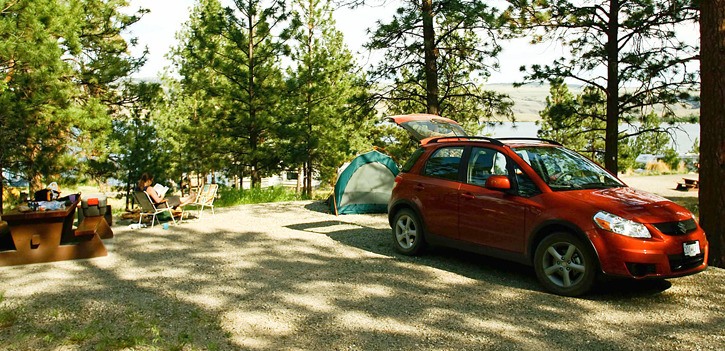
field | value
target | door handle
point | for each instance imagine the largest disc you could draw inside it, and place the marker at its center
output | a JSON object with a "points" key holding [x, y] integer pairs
{"points": [[419, 187], [468, 196]]}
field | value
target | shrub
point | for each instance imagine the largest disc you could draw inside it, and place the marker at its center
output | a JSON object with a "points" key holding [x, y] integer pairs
{"points": [[672, 159], [658, 167]]}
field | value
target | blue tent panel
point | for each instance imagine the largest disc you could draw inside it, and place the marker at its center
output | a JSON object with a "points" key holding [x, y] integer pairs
{"points": [[365, 185]]}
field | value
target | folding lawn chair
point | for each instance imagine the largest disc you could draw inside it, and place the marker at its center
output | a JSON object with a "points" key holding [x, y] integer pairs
{"points": [[205, 198], [149, 208]]}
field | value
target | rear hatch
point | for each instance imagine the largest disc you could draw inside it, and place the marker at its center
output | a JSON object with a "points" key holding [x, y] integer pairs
{"points": [[425, 126]]}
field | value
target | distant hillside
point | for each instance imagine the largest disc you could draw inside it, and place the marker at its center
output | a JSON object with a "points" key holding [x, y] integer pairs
{"points": [[528, 99], [531, 98]]}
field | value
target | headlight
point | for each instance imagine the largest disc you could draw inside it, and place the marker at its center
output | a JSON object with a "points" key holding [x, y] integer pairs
{"points": [[619, 225]]}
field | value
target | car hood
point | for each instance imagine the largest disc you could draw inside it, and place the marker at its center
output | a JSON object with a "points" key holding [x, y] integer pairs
{"points": [[425, 126], [632, 204]]}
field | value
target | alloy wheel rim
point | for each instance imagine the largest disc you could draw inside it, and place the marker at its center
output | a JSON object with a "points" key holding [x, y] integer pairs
{"points": [[564, 264], [406, 232]]}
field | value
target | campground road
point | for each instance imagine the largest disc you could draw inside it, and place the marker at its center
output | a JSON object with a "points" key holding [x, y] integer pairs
{"points": [[289, 276]]}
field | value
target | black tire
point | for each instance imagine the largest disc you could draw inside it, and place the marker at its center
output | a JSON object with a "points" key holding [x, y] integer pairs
{"points": [[572, 271], [408, 236]]}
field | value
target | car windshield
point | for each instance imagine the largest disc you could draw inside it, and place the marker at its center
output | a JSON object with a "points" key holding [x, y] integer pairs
{"points": [[563, 169]]}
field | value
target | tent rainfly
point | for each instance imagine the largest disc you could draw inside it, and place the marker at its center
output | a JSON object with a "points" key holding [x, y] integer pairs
{"points": [[365, 185]]}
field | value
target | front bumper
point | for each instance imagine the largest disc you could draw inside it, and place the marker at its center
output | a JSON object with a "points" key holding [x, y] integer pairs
{"points": [[662, 256]]}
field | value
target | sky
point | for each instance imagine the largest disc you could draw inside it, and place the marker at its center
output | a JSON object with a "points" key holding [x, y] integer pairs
{"points": [[157, 30]]}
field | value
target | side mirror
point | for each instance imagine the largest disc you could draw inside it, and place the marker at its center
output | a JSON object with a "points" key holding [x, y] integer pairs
{"points": [[498, 182]]}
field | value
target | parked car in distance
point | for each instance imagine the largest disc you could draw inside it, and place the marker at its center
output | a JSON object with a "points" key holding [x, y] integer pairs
{"points": [[536, 202]]}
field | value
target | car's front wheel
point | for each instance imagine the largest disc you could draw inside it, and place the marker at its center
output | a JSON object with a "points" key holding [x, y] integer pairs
{"points": [[565, 265], [408, 234]]}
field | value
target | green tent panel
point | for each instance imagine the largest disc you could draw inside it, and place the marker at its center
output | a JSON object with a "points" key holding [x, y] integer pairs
{"points": [[365, 185]]}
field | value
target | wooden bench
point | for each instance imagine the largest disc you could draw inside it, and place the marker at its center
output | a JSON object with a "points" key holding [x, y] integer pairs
{"points": [[108, 215], [6, 241], [94, 225]]}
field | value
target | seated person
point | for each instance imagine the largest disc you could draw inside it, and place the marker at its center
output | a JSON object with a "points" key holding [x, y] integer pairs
{"points": [[145, 184]]}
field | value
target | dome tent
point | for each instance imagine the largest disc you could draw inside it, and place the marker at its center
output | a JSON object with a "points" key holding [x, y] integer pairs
{"points": [[365, 185]]}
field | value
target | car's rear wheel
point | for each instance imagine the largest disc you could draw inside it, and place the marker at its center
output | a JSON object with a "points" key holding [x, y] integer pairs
{"points": [[565, 265], [408, 234]]}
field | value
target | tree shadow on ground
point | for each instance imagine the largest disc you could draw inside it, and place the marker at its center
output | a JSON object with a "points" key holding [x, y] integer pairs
{"points": [[281, 277], [318, 206], [472, 265]]}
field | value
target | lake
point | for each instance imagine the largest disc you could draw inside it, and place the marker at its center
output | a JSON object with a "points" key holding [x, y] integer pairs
{"points": [[685, 134]]}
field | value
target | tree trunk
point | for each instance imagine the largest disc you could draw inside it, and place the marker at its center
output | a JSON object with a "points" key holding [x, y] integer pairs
{"points": [[254, 136], [129, 189], [298, 187], [712, 127], [431, 67], [256, 178], [309, 103], [36, 183], [611, 137], [2, 188], [308, 179]]}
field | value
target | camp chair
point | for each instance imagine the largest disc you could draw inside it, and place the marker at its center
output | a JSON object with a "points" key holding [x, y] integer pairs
{"points": [[149, 208], [205, 198]]}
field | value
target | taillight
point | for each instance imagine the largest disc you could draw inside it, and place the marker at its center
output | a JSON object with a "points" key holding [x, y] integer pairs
{"points": [[398, 179]]}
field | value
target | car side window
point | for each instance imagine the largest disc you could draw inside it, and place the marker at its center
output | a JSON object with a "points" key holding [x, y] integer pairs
{"points": [[526, 186], [499, 164], [444, 163], [484, 163]]}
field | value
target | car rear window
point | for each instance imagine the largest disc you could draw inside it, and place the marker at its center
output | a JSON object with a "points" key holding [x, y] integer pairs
{"points": [[412, 160], [444, 163]]}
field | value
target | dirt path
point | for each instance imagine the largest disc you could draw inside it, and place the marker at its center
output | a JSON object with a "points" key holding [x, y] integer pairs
{"points": [[289, 276], [664, 185]]}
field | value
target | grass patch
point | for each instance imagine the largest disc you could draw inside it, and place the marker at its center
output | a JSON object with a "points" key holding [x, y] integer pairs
{"points": [[232, 196], [159, 325], [7, 316]]}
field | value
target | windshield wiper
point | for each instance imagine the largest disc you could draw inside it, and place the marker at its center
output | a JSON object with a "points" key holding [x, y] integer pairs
{"points": [[593, 185], [598, 185], [561, 186]]}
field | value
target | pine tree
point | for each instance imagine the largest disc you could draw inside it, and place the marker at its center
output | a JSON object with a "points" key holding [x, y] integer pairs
{"points": [[250, 62], [575, 119], [103, 66], [325, 124], [195, 104], [61, 64], [628, 50], [437, 55], [579, 121], [37, 89], [144, 149]]}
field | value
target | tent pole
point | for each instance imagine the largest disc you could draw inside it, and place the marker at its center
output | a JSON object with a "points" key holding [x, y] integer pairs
{"points": [[334, 201]]}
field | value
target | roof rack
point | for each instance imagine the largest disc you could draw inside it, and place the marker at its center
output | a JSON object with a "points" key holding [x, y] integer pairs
{"points": [[531, 139], [494, 141]]}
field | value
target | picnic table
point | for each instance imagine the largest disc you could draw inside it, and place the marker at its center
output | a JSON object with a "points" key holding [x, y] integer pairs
{"points": [[48, 236], [688, 183]]}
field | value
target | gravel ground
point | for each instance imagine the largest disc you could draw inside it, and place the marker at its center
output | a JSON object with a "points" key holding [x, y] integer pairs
{"points": [[289, 276], [664, 185]]}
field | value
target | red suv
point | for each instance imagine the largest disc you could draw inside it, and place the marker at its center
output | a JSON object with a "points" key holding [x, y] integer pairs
{"points": [[538, 203]]}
